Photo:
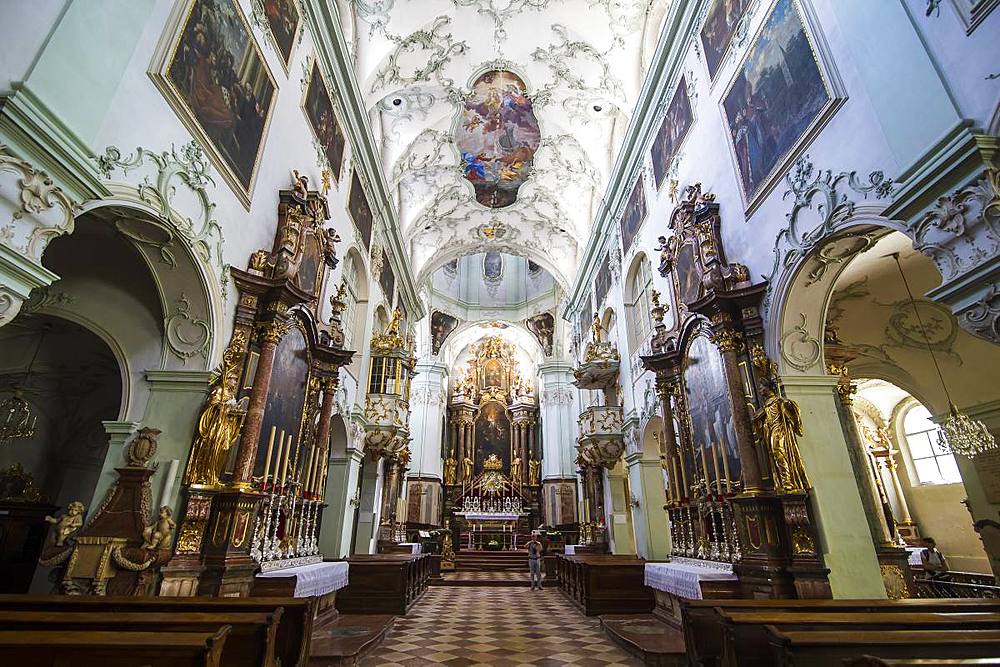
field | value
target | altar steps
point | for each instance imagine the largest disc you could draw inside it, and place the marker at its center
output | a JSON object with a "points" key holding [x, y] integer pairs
{"points": [[491, 561]]}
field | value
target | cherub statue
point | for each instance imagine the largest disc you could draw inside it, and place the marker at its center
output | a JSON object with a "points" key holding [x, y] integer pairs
{"points": [[450, 470], [597, 329], [68, 523], [160, 535], [778, 423], [666, 256], [329, 238]]}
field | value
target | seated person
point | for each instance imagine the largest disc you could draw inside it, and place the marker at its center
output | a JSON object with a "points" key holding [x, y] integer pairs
{"points": [[934, 562]]}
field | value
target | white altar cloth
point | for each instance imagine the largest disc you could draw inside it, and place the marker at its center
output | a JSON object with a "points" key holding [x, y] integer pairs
{"points": [[683, 576], [570, 549], [415, 547], [316, 579], [913, 556]]}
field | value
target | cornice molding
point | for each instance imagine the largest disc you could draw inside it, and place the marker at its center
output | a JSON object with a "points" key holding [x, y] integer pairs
{"points": [[335, 60], [664, 71]]}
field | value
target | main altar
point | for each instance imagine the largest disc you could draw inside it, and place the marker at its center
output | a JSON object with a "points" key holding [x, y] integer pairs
{"points": [[493, 461]]}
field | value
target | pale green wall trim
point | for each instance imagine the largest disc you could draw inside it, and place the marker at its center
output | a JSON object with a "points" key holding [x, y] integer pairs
{"points": [[334, 57], [20, 274], [179, 380], [555, 366], [36, 134], [664, 71], [957, 157]]}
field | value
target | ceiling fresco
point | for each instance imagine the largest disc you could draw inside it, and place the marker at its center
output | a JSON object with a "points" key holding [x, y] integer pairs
{"points": [[498, 120]]}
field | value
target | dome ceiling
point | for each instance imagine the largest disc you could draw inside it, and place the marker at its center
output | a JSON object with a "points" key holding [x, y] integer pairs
{"points": [[499, 120]]}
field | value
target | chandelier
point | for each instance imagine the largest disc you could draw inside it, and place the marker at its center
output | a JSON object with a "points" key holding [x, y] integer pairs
{"points": [[960, 434], [18, 423]]}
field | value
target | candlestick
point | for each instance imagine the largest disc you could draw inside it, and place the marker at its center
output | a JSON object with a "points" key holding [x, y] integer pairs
{"points": [[277, 459], [675, 490], [309, 470], [725, 468], [683, 490], [317, 469], [267, 459], [715, 466]]}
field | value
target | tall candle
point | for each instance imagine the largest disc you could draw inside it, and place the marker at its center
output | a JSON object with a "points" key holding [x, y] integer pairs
{"points": [[675, 481], [715, 465], [284, 465], [725, 468], [684, 476], [317, 470], [267, 459], [309, 470], [277, 459], [704, 468]]}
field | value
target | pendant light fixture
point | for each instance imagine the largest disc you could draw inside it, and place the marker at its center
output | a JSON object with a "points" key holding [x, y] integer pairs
{"points": [[960, 434], [18, 422]]}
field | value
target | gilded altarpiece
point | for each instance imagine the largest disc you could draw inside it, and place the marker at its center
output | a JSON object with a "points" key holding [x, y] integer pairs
{"points": [[737, 489], [255, 479]]}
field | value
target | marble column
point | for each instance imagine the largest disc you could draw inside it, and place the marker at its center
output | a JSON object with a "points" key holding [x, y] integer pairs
{"points": [[247, 452], [727, 340], [559, 413], [904, 508]]}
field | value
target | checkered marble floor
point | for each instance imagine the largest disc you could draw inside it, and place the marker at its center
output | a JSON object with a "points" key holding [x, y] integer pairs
{"points": [[496, 626], [479, 575]]}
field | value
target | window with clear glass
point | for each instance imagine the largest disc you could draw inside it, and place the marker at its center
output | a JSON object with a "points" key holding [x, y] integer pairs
{"points": [[638, 319], [931, 462]]}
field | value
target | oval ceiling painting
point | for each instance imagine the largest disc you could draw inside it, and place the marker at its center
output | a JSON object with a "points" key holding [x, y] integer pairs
{"points": [[497, 136]]}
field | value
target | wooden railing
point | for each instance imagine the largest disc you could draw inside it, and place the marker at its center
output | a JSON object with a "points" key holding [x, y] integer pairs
{"points": [[958, 585]]}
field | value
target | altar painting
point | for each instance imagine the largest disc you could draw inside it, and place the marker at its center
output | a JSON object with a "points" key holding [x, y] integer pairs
{"points": [[711, 418], [286, 394], [497, 136], [216, 78], [492, 435], [778, 94]]}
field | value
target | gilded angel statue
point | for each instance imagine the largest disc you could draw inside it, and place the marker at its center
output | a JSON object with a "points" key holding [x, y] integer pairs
{"points": [[778, 423]]}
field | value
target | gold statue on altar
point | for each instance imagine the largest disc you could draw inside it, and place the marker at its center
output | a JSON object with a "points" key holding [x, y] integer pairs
{"points": [[778, 423], [515, 469], [597, 329], [467, 469], [534, 472], [450, 470], [220, 421]]}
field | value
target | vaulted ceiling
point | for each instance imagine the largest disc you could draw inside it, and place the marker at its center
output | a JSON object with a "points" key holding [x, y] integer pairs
{"points": [[582, 63]]}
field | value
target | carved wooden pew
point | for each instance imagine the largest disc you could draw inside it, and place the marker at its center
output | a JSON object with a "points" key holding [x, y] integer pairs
{"points": [[251, 640], [829, 648], [384, 583], [703, 629], [746, 640], [55, 648], [292, 638], [605, 584]]}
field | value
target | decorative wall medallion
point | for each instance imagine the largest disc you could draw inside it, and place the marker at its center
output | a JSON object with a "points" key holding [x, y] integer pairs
{"points": [[983, 317], [837, 251], [186, 335], [920, 324], [800, 348]]}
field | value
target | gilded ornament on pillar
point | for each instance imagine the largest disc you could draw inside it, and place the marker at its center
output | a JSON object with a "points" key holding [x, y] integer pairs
{"points": [[778, 423], [274, 330], [220, 421], [844, 386], [390, 340], [726, 339]]}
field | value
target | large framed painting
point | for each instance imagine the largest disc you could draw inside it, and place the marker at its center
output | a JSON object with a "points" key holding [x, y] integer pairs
{"points": [[360, 210], [673, 130], [387, 280], [713, 427], [633, 215], [283, 19], [214, 76], [322, 119], [777, 101], [442, 324], [717, 31], [602, 282]]}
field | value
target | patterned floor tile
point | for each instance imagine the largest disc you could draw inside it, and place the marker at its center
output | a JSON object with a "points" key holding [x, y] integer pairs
{"points": [[496, 627]]}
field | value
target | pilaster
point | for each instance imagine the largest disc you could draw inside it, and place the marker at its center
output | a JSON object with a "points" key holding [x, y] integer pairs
{"points": [[119, 433], [649, 517]]}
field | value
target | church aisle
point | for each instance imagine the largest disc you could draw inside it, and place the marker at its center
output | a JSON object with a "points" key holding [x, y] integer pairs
{"points": [[496, 626]]}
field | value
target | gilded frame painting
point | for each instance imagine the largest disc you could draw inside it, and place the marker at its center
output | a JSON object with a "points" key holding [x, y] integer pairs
{"points": [[673, 132], [781, 96], [360, 210], [213, 74], [633, 215], [321, 116], [717, 31], [283, 25]]}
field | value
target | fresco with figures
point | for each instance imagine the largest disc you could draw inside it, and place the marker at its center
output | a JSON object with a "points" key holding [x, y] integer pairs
{"points": [[497, 135], [717, 32], [224, 86], [776, 97]]}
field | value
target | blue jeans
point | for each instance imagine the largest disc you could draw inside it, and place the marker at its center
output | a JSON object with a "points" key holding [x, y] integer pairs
{"points": [[535, 567]]}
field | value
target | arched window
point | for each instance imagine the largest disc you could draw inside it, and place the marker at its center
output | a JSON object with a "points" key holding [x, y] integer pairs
{"points": [[638, 287], [931, 462]]}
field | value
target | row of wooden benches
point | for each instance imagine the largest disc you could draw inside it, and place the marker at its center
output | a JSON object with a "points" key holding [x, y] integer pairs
{"points": [[117, 631], [752, 633], [604, 584]]}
